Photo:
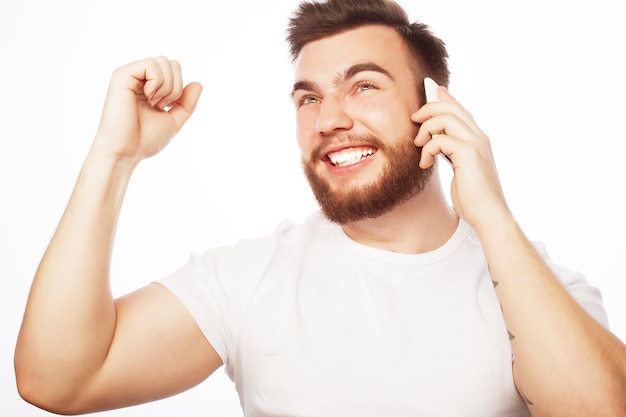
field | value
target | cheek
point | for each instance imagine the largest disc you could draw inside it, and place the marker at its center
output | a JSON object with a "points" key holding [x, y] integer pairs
{"points": [[383, 121], [382, 116]]}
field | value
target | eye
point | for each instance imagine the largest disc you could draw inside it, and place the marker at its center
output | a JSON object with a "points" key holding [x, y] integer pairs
{"points": [[309, 100], [306, 99], [364, 86]]}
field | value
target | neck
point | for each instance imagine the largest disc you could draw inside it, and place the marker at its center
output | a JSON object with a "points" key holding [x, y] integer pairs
{"points": [[422, 224]]}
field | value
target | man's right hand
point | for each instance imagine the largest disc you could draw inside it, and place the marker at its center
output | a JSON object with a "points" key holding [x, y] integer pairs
{"points": [[146, 106]]}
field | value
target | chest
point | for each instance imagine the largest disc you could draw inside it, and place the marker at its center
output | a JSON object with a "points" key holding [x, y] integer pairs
{"points": [[363, 339]]}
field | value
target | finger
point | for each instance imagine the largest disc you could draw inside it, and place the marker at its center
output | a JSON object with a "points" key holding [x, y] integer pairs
{"points": [[151, 74], [444, 95], [439, 145], [430, 152], [175, 88], [184, 107], [446, 104], [140, 77], [448, 124], [434, 107], [161, 87], [438, 108], [459, 125]]}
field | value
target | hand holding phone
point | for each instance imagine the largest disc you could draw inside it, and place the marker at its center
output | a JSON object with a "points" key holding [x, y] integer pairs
{"points": [[430, 86]]}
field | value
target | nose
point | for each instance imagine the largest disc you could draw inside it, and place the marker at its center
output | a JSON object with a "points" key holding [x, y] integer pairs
{"points": [[332, 117]]}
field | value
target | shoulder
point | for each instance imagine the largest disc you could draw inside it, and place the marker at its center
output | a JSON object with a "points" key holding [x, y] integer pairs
{"points": [[254, 254]]}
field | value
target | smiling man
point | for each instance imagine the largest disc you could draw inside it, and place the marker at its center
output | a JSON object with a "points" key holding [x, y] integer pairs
{"points": [[388, 302], [360, 160]]}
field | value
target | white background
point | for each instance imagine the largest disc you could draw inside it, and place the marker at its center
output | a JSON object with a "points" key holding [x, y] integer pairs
{"points": [[543, 78]]}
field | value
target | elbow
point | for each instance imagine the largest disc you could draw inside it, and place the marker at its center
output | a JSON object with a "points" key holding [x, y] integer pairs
{"points": [[46, 396], [45, 384], [29, 393], [51, 384], [46, 402], [34, 395]]}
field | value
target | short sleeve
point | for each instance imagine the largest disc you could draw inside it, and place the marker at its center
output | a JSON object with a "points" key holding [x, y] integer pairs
{"points": [[217, 286], [204, 298]]}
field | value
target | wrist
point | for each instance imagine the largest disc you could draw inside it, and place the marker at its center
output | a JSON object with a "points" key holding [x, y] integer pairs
{"points": [[497, 228], [102, 159], [107, 172]]}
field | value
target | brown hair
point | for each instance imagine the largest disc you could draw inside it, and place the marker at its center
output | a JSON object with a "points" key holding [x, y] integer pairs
{"points": [[314, 20]]}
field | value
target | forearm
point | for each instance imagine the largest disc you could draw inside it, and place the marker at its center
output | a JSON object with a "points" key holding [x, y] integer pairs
{"points": [[565, 362], [70, 316]]}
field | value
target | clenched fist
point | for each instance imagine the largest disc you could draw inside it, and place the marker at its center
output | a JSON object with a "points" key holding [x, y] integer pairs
{"points": [[146, 106]]}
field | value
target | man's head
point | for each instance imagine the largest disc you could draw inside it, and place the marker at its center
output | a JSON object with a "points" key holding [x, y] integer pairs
{"points": [[358, 81], [314, 20]]}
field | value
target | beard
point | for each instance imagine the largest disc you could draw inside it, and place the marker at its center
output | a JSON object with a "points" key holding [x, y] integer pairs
{"points": [[401, 179]]}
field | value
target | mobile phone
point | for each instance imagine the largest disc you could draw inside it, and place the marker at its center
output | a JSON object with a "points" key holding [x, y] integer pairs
{"points": [[431, 90], [430, 86]]}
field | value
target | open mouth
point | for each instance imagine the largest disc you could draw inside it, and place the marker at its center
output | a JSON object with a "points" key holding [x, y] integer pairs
{"points": [[350, 156]]}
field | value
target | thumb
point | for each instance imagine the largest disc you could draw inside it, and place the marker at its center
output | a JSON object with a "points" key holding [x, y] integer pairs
{"points": [[184, 107]]}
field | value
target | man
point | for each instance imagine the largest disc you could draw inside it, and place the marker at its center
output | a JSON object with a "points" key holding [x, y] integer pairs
{"points": [[389, 303]]}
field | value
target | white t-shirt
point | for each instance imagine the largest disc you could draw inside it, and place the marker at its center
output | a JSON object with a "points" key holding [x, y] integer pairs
{"points": [[310, 323]]}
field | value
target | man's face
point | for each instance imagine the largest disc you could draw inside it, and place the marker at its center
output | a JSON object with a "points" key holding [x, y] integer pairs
{"points": [[354, 94]]}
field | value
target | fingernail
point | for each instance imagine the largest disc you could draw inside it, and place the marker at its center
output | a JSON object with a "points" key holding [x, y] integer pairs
{"points": [[154, 101]]}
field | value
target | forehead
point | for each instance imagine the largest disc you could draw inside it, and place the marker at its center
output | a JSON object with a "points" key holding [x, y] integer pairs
{"points": [[378, 44]]}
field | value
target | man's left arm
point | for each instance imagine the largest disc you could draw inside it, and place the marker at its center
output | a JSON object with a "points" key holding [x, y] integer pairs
{"points": [[566, 363]]}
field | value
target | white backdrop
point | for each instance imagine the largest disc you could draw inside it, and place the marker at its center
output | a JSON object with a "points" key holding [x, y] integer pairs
{"points": [[544, 79]]}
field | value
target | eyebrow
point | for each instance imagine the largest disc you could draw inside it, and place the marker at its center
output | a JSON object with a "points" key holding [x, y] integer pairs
{"points": [[341, 78], [365, 66]]}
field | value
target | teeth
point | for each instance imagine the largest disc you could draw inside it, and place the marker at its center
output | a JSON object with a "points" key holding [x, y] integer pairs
{"points": [[349, 156]]}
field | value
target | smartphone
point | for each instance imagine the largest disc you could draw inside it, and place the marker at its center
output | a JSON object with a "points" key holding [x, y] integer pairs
{"points": [[431, 90]]}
